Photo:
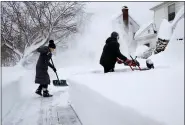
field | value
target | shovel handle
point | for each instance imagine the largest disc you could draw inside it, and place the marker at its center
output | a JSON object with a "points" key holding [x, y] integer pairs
{"points": [[56, 71]]}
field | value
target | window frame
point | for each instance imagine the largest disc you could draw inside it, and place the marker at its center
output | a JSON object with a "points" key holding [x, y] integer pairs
{"points": [[171, 15]]}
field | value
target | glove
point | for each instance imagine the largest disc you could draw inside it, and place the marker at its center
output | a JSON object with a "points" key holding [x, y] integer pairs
{"points": [[54, 69], [119, 61], [130, 63]]}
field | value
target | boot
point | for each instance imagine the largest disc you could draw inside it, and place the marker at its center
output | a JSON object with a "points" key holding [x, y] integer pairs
{"points": [[39, 92], [46, 93]]}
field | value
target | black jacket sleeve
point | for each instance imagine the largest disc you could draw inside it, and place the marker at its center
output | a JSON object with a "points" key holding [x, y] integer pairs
{"points": [[118, 53], [50, 65]]}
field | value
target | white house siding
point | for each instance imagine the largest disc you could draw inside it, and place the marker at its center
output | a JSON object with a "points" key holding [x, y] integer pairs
{"points": [[133, 24], [145, 32], [161, 12], [178, 6], [159, 15]]}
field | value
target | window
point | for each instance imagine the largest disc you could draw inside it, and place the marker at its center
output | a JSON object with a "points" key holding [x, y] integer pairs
{"points": [[147, 44], [171, 12], [134, 35], [148, 31]]}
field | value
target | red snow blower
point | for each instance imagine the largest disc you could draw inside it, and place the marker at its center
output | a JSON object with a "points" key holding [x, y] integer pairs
{"points": [[135, 62]]}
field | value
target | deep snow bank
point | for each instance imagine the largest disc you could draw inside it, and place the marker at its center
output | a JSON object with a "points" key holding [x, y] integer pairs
{"points": [[155, 94], [174, 52], [95, 109], [155, 97], [165, 30], [10, 87], [101, 99]]}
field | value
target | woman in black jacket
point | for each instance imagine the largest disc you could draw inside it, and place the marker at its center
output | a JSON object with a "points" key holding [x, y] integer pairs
{"points": [[42, 76]]}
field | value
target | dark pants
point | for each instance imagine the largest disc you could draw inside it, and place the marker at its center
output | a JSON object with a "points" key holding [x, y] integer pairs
{"points": [[107, 69], [42, 86]]}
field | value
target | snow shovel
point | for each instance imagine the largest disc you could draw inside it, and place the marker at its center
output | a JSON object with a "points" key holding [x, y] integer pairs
{"points": [[59, 82]]}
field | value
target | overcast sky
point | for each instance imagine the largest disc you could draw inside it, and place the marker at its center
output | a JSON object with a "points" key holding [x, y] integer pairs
{"points": [[138, 10]]}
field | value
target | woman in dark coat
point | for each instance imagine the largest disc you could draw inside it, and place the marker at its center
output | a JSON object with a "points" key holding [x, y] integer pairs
{"points": [[42, 76], [111, 53]]}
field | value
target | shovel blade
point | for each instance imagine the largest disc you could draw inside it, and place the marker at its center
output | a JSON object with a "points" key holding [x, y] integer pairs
{"points": [[60, 83]]}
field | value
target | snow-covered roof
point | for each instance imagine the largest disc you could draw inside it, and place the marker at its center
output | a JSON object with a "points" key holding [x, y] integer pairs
{"points": [[118, 14], [143, 28], [158, 5]]}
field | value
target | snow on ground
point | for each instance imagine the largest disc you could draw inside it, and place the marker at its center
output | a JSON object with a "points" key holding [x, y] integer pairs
{"points": [[141, 49], [26, 105], [152, 97], [11, 74], [10, 86], [174, 53], [108, 96]]}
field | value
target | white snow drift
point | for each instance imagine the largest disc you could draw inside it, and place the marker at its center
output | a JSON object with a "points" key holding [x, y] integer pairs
{"points": [[153, 97]]}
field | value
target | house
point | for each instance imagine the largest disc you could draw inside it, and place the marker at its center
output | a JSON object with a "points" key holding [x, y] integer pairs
{"points": [[129, 24], [146, 35], [127, 27], [165, 10]]}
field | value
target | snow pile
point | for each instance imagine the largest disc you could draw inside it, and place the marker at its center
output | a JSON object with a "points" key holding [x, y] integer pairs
{"points": [[11, 86], [135, 98], [140, 50], [180, 33], [10, 95], [11, 74], [165, 30], [174, 52], [112, 96], [100, 107]]}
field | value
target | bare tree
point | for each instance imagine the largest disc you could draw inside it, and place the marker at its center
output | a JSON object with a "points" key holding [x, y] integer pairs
{"points": [[26, 26]]}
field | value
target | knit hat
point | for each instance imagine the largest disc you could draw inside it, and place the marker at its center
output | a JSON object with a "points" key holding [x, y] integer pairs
{"points": [[114, 34], [51, 44]]}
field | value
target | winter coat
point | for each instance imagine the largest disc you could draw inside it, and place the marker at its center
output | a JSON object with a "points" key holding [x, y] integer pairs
{"points": [[110, 53], [42, 76]]}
